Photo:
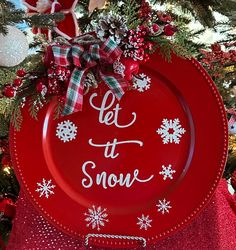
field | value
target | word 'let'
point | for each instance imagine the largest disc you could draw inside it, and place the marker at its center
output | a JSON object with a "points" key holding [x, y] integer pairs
{"points": [[112, 116]]}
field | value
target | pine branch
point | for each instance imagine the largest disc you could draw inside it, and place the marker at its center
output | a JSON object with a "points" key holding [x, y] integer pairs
{"points": [[36, 102], [164, 46], [58, 110], [4, 126], [114, 7], [130, 12], [5, 107], [33, 107], [8, 183], [84, 3], [16, 118], [9, 15], [44, 20], [181, 51]]}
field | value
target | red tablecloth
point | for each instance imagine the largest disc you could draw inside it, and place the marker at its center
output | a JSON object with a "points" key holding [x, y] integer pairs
{"points": [[214, 228]]}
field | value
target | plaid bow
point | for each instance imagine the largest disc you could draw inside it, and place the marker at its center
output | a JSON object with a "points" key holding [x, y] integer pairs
{"points": [[99, 55]]}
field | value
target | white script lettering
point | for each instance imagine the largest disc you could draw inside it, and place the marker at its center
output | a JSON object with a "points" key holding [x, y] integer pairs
{"points": [[110, 117], [111, 180], [112, 146]]}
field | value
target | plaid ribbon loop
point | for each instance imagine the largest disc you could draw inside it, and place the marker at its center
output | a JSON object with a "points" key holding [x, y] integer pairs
{"points": [[99, 55]]}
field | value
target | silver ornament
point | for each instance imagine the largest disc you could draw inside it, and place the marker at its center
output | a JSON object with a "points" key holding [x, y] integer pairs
{"points": [[13, 47]]}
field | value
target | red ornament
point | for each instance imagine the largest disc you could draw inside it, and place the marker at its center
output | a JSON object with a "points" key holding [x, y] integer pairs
{"points": [[21, 72], [9, 91], [131, 67], [17, 82], [169, 30], [7, 207]]}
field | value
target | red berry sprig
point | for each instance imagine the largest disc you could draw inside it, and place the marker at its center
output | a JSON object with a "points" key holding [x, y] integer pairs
{"points": [[145, 12], [137, 45], [17, 82], [9, 91], [217, 58], [55, 82], [21, 72]]}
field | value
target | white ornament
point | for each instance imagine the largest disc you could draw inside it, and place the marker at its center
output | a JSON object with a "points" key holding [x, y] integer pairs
{"points": [[141, 82], [167, 172], [66, 131], [171, 131], [96, 217], [13, 47], [144, 222], [45, 188], [164, 206]]}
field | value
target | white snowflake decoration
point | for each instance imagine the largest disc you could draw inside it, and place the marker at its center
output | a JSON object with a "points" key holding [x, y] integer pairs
{"points": [[66, 131], [171, 131], [45, 188], [141, 82], [144, 222], [96, 217], [119, 68], [163, 206], [167, 172]]}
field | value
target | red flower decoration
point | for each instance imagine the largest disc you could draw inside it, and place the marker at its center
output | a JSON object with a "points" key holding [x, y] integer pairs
{"points": [[67, 28]]}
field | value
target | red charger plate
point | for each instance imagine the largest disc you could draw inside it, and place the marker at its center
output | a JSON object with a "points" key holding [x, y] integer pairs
{"points": [[130, 172]]}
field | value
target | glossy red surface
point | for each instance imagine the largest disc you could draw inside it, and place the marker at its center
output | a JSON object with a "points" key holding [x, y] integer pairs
{"points": [[179, 90]]}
